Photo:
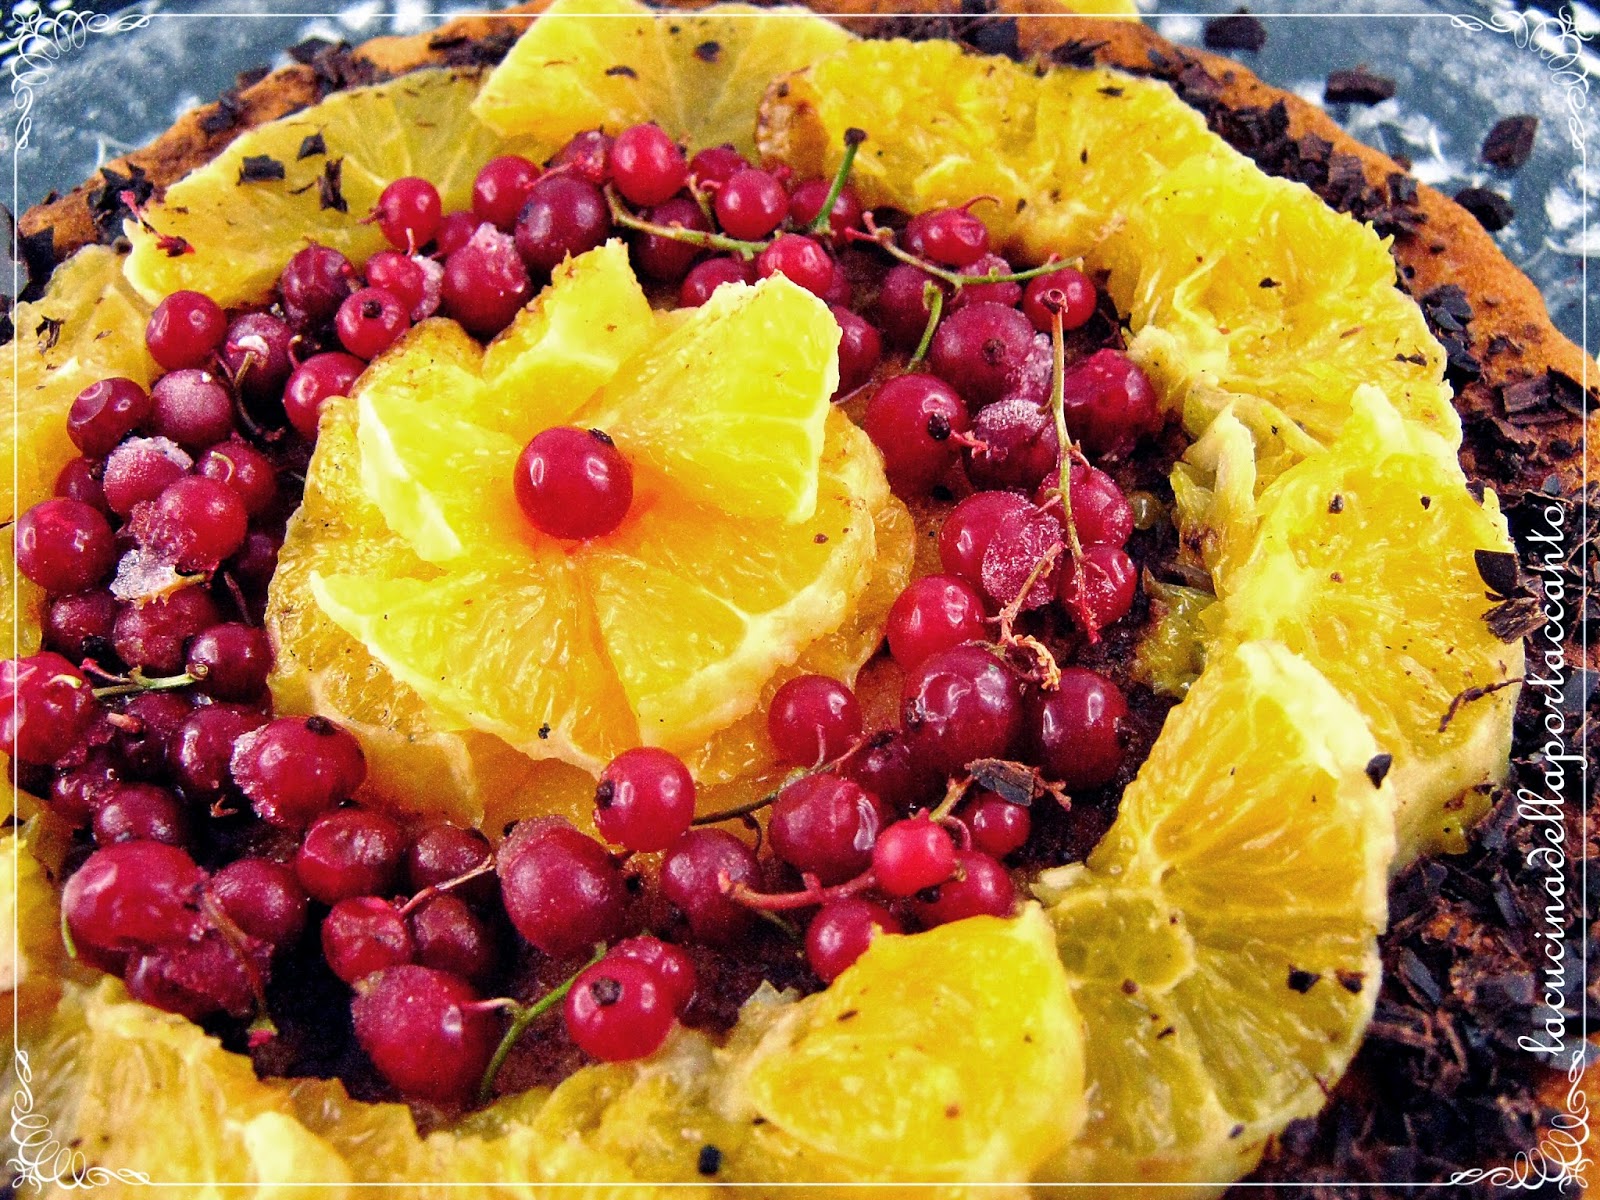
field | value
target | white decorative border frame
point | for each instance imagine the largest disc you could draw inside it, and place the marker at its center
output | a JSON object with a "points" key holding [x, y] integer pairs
{"points": [[1558, 1157]]}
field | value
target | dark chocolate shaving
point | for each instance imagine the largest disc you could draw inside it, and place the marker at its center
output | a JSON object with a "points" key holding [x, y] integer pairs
{"points": [[1076, 52], [1494, 211], [1499, 571], [260, 168], [329, 191], [109, 203], [1378, 768], [311, 145], [1357, 86], [1513, 620], [1302, 981], [1238, 32], [48, 332], [1510, 143]]}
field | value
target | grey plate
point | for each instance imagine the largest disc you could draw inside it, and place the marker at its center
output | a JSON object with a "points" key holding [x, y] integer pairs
{"points": [[116, 90]]}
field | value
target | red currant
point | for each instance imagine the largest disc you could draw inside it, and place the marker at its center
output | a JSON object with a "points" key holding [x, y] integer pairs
{"points": [[911, 418], [501, 189], [902, 309], [426, 1031], [485, 283], [444, 852], [1074, 298], [562, 890], [691, 877], [1020, 446], [706, 277], [139, 812], [981, 888], [573, 483], [256, 356], [407, 279], [672, 965], [455, 231], [981, 350], [647, 165], [370, 321], [966, 533], [665, 259], [1006, 292], [841, 932], [248, 472], [751, 204], [587, 157], [1100, 512], [1019, 553], [79, 480], [998, 827], [807, 202], [802, 260], [911, 855], [883, 767], [105, 412], [196, 522], [1110, 403], [230, 661], [363, 934], [951, 237], [185, 330], [200, 749], [562, 218], [314, 381], [1103, 590], [826, 825], [64, 545], [715, 165], [1078, 729], [140, 469], [263, 898], [959, 705], [80, 625], [860, 349], [813, 719], [314, 284], [934, 613], [153, 635], [133, 895], [350, 852], [645, 799], [449, 936], [46, 706], [298, 767], [618, 1010], [192, 408], [409, 211]]}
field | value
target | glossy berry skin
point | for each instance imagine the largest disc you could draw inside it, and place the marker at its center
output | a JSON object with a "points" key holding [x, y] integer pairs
{"points": [[1074, 298], [79, 479], [64, 545], [664, 259], [1102, 590], [646, 165], [751, 204], [363, 934], [587, 157], [350, 852], [426, 1033], [455, 231], [807, 200], [1110, 403], [449, 936], [562, 217], [296, 768], [1006, 292], [409, 211], [79, 625], [193, 408], [645, 799], [46, 706], [243, 469], [1100, 512], [998, 828], [563, 891], [841, 931], [959, 705], [1020, 446], [200, 749], [1077, 729], [133, 895], [501, 189], [981, 888], [314, 284], [256, 355], [826, 825], [405, 278], [813, 719], [196, 522], [706, 277], [444, 852], [573, 483], [980, 350], [105, 412], [689, 879], [315, 380], [911, 855], [911, 418], [230, 660], [860, 350], [902, 311], [675, 970], [884, 768], [185, 330], [965, 536], [618, 1010], [370, 321], [802, 260], [139, 811], [149, 748], [715, 165], [951, 237], [153, 636], [934, 613], [263, 898], [485, 283]]}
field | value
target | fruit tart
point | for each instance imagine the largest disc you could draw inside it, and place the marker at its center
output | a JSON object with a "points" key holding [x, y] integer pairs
{"points": [[610, 597]]}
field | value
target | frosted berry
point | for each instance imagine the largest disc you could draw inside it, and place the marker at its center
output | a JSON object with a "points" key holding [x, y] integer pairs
{"points": [[297, 767], [193, 408]]}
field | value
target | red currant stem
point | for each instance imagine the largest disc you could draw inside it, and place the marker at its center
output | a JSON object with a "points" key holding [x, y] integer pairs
{"points": [[959, 832], [755, 806], [955, 791], [138, 682], [525, 1016], [702, 201], [236, 939], [810, 896], [66, 937], [1054, 301], [677, 233], [1044, 670], [933, 297], [1010, 613], [885, 238], [434, 890], [733, 814], [782, 926], [852, 142], [970, 442]]}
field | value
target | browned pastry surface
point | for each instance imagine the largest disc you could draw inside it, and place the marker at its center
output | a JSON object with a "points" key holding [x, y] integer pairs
{"points": [[1440, 1084]]}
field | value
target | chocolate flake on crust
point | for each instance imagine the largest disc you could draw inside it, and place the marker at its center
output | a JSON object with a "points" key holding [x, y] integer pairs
{"points": [[1240, 31], [116, 200], [1510, 142]]}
